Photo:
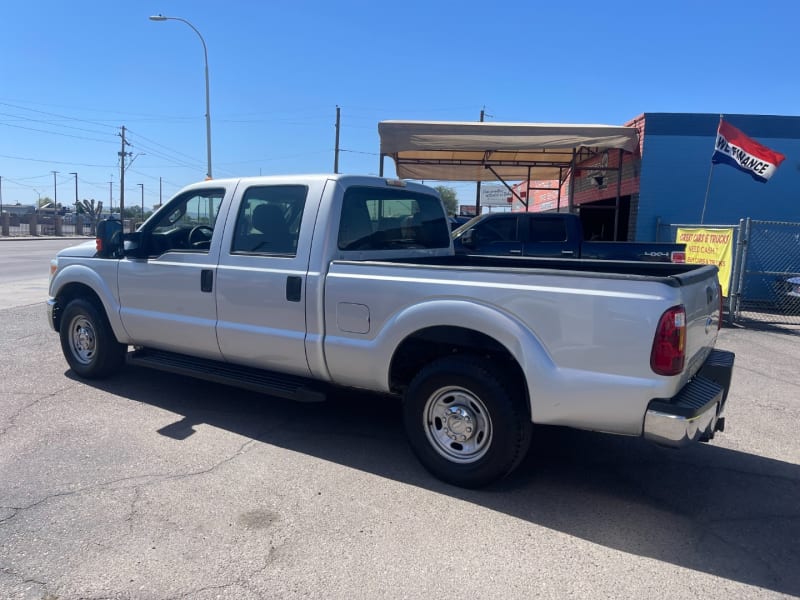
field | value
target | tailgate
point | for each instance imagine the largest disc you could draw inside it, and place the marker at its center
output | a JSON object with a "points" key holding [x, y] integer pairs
{"points": [[701, 298]]}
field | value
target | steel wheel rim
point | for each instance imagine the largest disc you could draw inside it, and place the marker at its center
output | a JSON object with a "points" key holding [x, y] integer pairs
{"points": [[457, 424], [82, 340]]}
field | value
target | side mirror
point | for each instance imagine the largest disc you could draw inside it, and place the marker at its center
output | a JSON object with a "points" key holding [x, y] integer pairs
{"points": [[468, 238], [133, 245], [109, 238]]}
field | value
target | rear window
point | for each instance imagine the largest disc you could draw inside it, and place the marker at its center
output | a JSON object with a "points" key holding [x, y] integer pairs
{"points": [[389, 219]]}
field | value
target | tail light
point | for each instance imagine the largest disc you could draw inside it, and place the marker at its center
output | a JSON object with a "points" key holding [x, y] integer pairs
{"points": [[678, 256], [669, 346]]}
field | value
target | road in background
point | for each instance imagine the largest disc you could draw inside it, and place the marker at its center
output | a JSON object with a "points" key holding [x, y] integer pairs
{"points": [[152, 485], [25, 269]]}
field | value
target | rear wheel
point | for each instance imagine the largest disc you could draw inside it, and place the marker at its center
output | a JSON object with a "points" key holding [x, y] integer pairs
{"points": [[88, 343], [465, 424]]}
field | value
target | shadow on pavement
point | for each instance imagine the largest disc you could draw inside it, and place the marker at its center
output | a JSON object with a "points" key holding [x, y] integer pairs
{"points": [[710, 509]]}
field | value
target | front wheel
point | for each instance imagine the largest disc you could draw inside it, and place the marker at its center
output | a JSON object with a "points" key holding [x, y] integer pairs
{"points": [[88, 343], [464, 422]]}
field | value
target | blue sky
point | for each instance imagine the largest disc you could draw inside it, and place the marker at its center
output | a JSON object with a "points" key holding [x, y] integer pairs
{"points": [[72, 73]]}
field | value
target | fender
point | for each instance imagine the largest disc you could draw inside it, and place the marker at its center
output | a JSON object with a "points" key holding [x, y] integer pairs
{"points": [[366, 363], [96, 276]]}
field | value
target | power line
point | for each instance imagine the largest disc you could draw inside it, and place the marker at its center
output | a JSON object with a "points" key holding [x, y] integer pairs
{"points": [[78, 137], [54, 162]]}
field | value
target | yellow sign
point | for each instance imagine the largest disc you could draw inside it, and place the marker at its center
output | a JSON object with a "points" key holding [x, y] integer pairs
{"points": [[709, 247]]}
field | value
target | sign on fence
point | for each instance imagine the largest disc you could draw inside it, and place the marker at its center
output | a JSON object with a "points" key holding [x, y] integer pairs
{"points": [[709, 247]]}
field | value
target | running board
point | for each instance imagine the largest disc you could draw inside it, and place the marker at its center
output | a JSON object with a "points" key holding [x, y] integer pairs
{"points": [[291, 387]]}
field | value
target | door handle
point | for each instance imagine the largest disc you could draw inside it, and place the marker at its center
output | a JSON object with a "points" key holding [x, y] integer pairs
{"points": [[206, 280], [515, 251], [294, 287]]}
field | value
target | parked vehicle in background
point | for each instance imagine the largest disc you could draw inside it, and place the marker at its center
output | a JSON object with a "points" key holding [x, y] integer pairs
{"points": [[457, 221], [552, 235], [290, 285]]}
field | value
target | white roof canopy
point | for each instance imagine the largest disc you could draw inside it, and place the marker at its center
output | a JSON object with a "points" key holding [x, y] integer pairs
{"points": [[469, 151]]}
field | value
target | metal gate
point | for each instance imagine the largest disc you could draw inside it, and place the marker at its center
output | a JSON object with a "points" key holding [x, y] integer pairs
{"points": [[765, 284]]}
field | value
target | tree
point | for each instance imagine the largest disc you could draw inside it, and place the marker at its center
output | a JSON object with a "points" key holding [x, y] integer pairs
{"points": [[449, 198]]}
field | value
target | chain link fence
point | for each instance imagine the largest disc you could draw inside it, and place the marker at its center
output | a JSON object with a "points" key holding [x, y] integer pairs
{"points": [[764, 287]]}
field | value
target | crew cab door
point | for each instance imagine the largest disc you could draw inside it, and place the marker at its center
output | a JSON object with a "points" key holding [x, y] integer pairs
{"points": [[548, 236], [261, 286], [167, 289]]}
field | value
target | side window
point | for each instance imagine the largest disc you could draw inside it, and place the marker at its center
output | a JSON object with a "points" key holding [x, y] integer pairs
{"points": [[388, 219], [186, 223], [269, 220], [548, 230], [501, 229]]}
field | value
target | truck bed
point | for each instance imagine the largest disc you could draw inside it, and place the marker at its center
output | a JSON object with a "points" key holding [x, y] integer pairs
{"points": [[674, 274]]}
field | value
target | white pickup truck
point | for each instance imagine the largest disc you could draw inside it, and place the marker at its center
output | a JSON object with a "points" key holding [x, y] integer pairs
{"points": [[291, 285]]}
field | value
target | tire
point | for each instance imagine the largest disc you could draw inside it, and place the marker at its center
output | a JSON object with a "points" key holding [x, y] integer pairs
{"points": [[88, 343], [465, 424]]}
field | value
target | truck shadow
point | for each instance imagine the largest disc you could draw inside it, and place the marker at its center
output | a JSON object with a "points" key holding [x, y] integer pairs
{"points": [[715, 510]]}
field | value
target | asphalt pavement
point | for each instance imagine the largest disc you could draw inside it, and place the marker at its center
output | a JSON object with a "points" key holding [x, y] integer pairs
{"points": [[150, 485]]}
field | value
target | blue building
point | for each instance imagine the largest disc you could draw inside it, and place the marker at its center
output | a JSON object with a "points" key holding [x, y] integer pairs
{"points": [[675, 166]]}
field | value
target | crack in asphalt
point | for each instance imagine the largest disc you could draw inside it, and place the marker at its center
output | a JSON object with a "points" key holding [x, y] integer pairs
{"points": [[12, 420], [23, 579], [156, 478], [242, 580], [706, 527], [790, 382]]}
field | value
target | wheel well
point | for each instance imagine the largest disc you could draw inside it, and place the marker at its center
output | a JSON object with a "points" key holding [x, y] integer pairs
{"points": [[426, 345], [68, 293]]}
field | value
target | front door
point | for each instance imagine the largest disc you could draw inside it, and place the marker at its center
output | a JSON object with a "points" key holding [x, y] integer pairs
{"points": [[167, 299], [497, 236]]}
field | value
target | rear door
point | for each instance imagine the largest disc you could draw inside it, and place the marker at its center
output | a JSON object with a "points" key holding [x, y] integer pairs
{"points": [[262, 277], [547, 235]]}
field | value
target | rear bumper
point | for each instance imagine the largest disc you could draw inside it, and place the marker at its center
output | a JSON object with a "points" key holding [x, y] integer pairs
{"points": [[696, 412]]}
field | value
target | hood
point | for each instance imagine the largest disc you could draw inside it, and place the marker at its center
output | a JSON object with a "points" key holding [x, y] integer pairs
{"points": [[86, 249]]}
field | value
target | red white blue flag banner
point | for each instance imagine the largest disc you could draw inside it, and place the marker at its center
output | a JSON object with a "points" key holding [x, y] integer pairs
{"points": [[734, 148]]}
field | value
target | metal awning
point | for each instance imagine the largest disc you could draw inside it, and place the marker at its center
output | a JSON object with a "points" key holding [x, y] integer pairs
{"points": [[469, 151]]}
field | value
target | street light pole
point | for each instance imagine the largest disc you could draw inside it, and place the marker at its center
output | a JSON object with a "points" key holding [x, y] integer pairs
{"points": [[208, 103], [141, 185], [76, 189]]}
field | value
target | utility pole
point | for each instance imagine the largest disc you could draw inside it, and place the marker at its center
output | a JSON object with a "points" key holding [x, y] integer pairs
{"points": [[478, 187], [55, 192], [336, 150], [122, 156]]}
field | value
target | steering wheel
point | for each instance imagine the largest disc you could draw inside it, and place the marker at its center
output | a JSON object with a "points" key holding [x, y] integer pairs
{"points": [[201, 230]]}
